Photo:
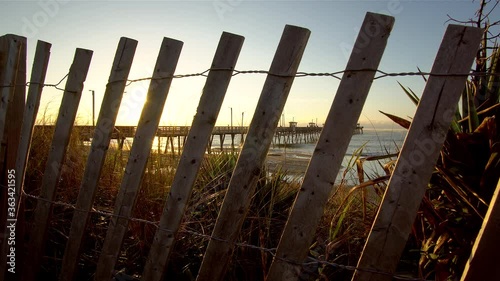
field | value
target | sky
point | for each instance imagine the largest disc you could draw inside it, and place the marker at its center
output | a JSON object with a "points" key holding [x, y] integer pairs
{"points": [[98, 25]]}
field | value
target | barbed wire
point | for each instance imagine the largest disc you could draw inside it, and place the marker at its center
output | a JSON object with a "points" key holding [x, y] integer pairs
{"points": [[382, 74], [272, 251]]}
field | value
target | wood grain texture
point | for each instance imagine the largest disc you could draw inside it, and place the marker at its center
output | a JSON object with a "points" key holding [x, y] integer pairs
{"points": [[134, 172], [248, 167], [55, 161], [332, 145], [419, 154], [100, 142], [39, 70], [192, 155]]}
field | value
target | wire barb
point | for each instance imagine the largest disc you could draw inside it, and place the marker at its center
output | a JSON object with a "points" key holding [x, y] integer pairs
{"points": [[382, 74]]}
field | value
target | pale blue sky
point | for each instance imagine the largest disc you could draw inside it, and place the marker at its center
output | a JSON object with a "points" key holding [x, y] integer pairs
{"points": [[98, 25]]}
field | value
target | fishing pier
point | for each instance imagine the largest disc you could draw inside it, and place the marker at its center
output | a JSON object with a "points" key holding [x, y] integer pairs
{"points": [[172, 138]]}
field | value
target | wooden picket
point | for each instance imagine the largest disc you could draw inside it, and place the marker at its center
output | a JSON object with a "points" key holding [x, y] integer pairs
{"points": [[12, 98], [330, 150], [13, 58], [100, 142], [419, 154], [248, 167], [8, 79], [483, 262], [10, 48], [37, 79], [139, 153], [39, 71], [397, 211], [204, 121], [55, 161]]}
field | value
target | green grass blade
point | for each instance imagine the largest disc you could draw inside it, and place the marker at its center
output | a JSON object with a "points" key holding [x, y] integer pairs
{"points": [[410, 94], [473, 118], [425, 79]]}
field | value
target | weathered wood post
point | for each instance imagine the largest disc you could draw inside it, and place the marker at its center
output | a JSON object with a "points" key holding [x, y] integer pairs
{"points": [[331, 147], [136, 165], [251, 159], [37, 79], [100, 142], [12, 96], [419, 154], [192, 155], [13, 90], [55, 161]]}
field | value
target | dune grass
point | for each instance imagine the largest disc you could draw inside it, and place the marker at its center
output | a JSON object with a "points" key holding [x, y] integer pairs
{"points": [[265, 221]]}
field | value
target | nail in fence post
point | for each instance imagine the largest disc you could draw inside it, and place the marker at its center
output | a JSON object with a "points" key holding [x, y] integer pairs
{"points": [[192, 155], [141, 148], [419, 154], [248, 167], [100, 142], [331, 147], [55, 161]]}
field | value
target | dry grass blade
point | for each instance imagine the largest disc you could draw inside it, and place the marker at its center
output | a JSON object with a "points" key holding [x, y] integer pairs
{"points": [[459, 191]]}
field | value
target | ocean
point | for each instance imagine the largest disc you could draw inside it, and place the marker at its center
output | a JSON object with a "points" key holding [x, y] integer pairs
{"points": [[373, 142]]}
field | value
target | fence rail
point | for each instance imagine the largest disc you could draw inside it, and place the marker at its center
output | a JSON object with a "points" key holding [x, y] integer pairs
{"points": [[87, 131], [395, 215]]}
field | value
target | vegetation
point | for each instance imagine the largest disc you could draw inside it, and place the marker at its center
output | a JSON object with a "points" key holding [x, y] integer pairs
{"points": [[449, 218], [467, 171], [340, 237]]}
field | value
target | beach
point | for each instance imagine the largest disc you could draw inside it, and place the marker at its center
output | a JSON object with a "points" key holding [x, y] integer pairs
{"points": [[295, 158], [293, 163]]}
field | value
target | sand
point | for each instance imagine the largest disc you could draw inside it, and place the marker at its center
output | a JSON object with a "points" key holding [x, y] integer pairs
{"points": [[294, 164]]}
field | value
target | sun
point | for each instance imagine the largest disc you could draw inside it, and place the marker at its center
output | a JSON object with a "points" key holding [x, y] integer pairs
{"points": [[131, 106]]}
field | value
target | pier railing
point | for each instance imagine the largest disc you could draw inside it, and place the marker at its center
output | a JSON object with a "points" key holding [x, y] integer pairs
{"points": [[392, 224]]}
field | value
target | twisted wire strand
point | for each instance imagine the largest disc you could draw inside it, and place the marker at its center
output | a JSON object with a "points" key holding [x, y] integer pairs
{"points": [[382, 74], [272, 251]]}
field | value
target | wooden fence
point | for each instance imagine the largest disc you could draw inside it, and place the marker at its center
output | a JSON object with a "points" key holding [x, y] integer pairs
{"points": [[396, 213]]}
